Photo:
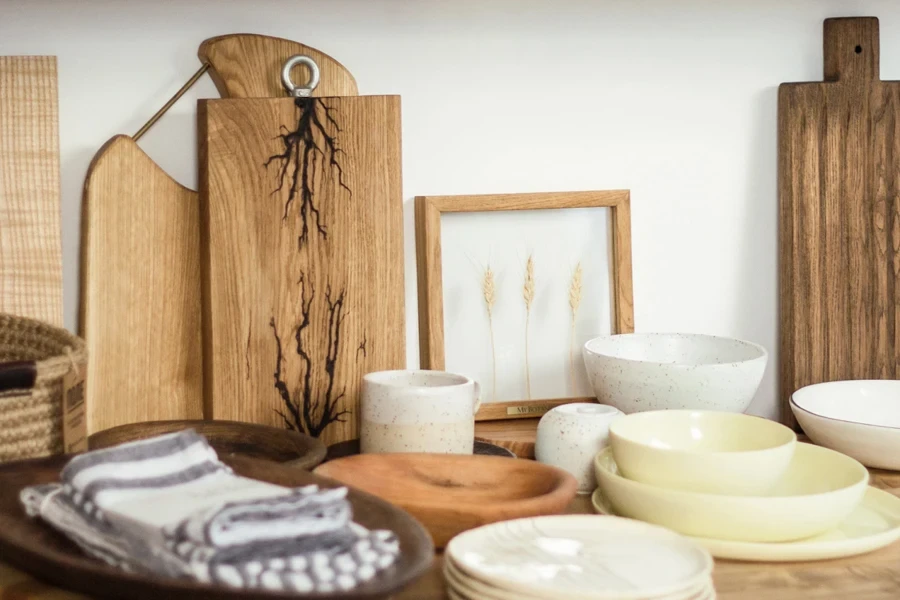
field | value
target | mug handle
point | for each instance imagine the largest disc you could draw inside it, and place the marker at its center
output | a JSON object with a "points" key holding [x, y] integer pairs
{"points": [[477, 397]]}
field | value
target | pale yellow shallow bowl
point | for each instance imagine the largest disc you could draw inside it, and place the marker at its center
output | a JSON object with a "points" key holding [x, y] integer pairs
{"points": [[702, 451], [819, 489], [874, 524]]}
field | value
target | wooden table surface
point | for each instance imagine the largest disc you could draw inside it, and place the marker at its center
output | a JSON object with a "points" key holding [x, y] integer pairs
{"points": [[873, 576]]}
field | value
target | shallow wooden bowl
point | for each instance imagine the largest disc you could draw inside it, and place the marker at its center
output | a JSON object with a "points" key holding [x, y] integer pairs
{"points": [[228, 438], [450, 494]]}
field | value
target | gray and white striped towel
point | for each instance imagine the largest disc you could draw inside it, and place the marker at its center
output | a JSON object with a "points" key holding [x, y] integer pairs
{"points": [[168, 506]]}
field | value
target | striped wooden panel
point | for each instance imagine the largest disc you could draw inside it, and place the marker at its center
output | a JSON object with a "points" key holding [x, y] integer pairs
{"points": [[30, 246]]}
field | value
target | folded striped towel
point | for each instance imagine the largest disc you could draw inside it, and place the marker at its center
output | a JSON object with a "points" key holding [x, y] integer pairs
{"points": [[168, 506]]}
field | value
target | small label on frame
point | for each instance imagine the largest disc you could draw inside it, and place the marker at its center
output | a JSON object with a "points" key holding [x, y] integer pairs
{"points": [[528, 409]]}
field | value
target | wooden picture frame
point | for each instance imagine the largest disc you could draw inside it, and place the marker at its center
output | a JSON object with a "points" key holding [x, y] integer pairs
{"points": [[428, 211]]}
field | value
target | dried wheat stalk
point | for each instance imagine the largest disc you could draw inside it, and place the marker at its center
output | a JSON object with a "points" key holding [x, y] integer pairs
{"points": [[489, 293], [574, 303], [528, 296]]}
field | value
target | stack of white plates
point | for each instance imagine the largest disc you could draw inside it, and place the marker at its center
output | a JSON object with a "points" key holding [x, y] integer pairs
{"points": [[576, 557]]}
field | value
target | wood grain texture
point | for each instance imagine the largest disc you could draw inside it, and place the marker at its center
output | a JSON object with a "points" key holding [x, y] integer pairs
{"points": [[140, 273], [429, 271], [450, 494], [140, 291], [249, 66], [838, 160], [304, 275], [228, 438], [518, 435], [30, 246]]}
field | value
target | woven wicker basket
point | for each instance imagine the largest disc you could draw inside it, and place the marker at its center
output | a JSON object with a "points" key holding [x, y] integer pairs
{"points": [[35, 358]]}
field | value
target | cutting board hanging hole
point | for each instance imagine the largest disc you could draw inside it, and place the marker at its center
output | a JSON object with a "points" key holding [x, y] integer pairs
{"points": [[851, 49]]}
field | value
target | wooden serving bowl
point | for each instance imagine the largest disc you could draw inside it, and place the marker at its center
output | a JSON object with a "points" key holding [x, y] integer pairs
{"points": [[228, 438], [450, 494]]}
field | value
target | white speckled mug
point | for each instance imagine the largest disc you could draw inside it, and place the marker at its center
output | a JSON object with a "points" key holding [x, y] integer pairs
{"points": [[418, 411]]}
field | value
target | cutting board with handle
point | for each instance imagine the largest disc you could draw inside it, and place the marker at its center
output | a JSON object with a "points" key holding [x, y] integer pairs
{"points": [[30, 236], [839, 194], [302, 206], [140, 269], [248, 66]]}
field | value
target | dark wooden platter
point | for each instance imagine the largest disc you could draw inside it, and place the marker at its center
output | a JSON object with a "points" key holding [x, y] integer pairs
{"points": [[351, 448], [34, 547], [229, 438]]}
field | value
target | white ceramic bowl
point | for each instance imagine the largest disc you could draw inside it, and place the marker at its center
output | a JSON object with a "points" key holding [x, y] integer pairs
{"points": [[571, 435], [859, 418], [650, 371], [818, 491], [702, 451]]}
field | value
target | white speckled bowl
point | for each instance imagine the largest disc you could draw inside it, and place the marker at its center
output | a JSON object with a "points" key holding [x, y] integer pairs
{"points": [[571, 435], [636, 372]]}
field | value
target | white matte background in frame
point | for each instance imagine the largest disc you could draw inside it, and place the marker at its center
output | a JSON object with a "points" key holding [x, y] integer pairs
{"points": [[558, 240]]}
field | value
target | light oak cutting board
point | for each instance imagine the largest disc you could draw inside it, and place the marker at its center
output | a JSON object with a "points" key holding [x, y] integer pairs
{"points": [[302, 208], [140, 273], [30, 246], [141, 291], [839, 192], [249, 66]]}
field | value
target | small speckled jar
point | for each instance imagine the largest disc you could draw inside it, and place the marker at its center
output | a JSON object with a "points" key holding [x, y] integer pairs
{"points": [[571, 435]]}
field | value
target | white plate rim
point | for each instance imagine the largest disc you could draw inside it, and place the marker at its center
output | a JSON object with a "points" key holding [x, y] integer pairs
{"points": [[607, 523], [455, 578], [796, 405]]}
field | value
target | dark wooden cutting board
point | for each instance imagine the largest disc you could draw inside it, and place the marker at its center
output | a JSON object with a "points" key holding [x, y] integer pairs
{"points": [[838, 162], [302, 215], [34, 547]]}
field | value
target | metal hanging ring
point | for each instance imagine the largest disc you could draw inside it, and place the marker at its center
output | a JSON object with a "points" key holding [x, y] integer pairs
{"points": [[300, 91]]}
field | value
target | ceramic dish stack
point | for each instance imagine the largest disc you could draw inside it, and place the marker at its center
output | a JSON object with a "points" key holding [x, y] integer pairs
{"points": [[742, 487], [576, 557]]}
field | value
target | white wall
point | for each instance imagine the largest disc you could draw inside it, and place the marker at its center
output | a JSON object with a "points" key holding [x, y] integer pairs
{"points": [[674, 99]]}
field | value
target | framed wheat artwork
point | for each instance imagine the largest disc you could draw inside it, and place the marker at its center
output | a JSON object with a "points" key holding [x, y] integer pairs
{"points": [[511, 286]]}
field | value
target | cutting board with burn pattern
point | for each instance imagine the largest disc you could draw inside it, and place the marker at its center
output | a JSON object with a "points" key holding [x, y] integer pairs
{"points": [[140, 268], [302, 215]]}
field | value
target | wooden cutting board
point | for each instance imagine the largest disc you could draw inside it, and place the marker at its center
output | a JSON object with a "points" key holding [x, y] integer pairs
{"points": [[140, 271], [30, 246], [249, 66], [141, 292], [302, 208], [839, 193]]}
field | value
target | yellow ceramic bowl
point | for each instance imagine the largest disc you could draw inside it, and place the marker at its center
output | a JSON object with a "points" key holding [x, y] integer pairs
{"points": [[820, 489], [702, 451]]}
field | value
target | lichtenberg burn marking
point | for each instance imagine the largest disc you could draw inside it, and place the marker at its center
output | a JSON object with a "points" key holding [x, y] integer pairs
{"points": [[309, 144], [302, 410]]}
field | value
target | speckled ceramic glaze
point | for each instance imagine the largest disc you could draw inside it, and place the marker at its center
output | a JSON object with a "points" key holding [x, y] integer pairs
{"points": [[653, 371], [569, 436], [418, 411]]}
